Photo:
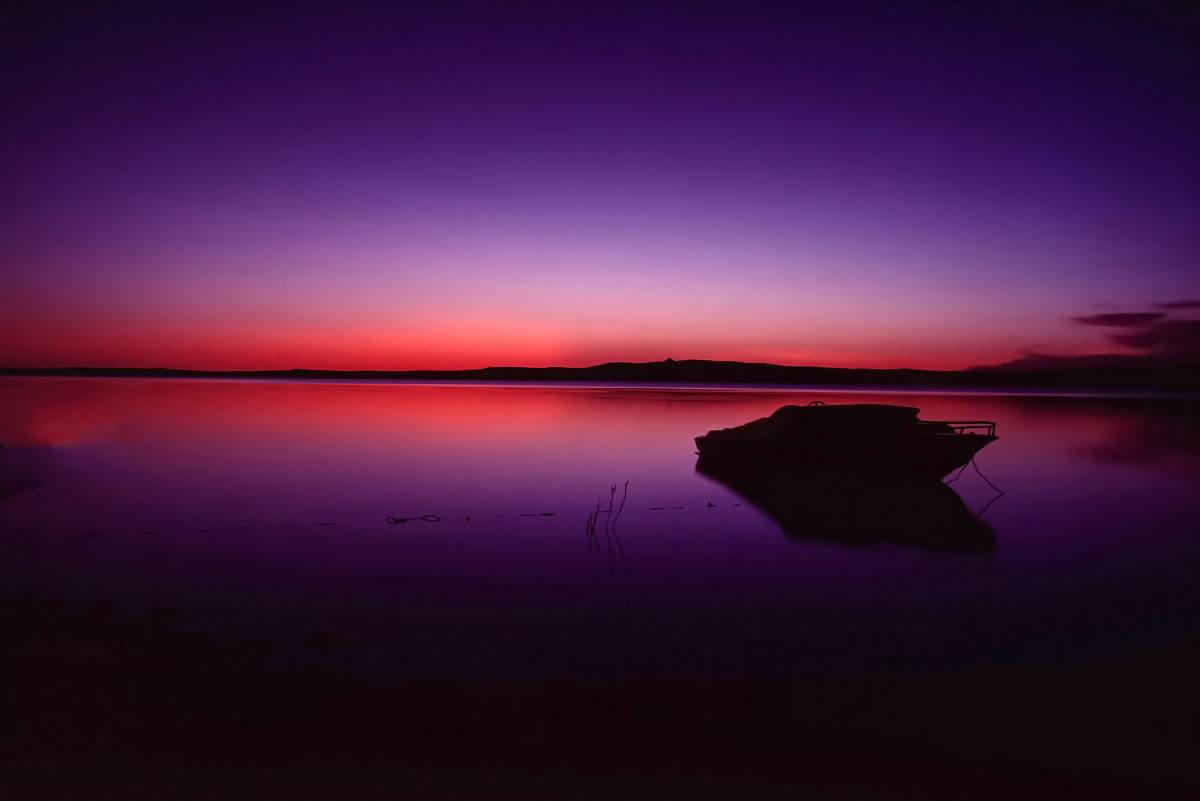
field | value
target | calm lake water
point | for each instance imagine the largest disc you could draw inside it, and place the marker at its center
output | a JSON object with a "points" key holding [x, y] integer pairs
{"points": [[257, 512]]}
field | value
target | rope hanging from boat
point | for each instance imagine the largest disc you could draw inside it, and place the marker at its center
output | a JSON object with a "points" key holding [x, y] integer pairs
{"points": [[999, 492], [985, 478]]}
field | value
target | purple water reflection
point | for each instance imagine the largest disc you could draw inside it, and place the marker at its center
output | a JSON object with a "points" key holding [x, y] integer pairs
{"points": [[253, 514], [269, 497]]}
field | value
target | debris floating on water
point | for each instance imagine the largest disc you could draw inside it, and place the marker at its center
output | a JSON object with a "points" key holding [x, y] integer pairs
{"points": [[401, 520]]}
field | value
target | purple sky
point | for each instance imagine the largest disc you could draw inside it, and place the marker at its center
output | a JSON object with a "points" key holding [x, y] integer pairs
{"points": [[854, 184]]}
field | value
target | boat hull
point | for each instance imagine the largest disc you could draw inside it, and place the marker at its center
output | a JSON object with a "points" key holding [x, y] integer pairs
{"points": [[900, 457]]}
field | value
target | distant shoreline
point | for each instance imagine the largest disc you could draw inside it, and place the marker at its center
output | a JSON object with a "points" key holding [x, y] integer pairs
{"points": [[702, 372]]}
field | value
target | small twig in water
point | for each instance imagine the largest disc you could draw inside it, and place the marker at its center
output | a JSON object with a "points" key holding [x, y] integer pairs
{"points": [[612, 515], [621, 508], [612, 494], [590, 527]]}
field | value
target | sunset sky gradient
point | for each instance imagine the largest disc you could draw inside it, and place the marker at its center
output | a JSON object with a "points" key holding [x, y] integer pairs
{"points": [[871, 185]]}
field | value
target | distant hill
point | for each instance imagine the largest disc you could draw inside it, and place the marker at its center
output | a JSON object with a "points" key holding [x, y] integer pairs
{"points": [[700, 371]]}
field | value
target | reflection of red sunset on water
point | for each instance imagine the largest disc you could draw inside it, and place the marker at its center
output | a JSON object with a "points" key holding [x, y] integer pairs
{"points": [[69, 412], [63, 412]]}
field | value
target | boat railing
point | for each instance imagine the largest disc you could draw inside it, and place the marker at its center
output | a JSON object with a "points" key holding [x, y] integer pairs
{"points": [[977, 427]]}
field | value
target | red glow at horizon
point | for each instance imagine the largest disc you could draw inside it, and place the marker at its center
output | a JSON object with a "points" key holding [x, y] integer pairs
{"points": [[92, 340], [519, 187]]}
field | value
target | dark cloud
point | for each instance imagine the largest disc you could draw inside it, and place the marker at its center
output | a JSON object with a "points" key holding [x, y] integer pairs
{"points": [[1120, 319], [1156, 341], [1165, 337]]}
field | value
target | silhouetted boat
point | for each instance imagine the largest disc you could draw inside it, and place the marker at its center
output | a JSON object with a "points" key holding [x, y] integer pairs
{"points": [[867, 440]]}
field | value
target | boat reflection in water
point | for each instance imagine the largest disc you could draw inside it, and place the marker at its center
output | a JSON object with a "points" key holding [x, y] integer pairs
{"points": [[853, 474]]}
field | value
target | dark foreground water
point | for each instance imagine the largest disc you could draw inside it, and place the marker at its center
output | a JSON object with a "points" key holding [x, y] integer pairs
{"points": [[202, 592]]}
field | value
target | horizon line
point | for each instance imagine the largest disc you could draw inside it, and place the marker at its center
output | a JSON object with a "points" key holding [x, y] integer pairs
{"points": [[661, 362]]}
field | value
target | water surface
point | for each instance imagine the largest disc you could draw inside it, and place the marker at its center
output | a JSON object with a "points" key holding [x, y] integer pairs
{"points": [[257, 512]]}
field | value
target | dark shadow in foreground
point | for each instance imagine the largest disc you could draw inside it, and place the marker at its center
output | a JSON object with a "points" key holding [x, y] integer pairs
{"points": [[856, 510]]}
